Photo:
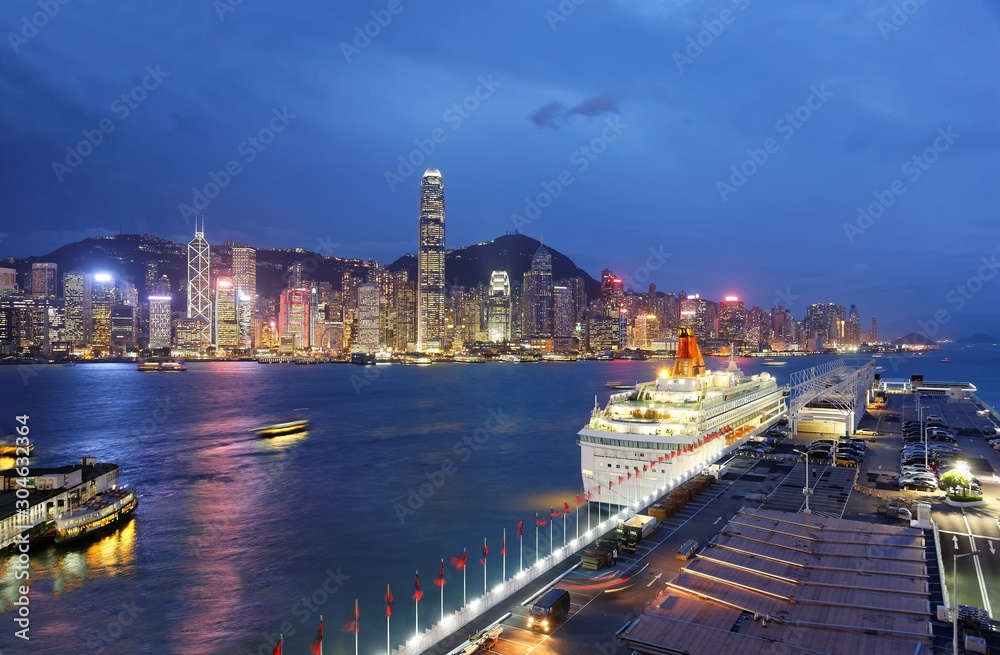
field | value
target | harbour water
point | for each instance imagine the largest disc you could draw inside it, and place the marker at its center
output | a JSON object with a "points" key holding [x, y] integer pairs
{"points": [[236, 536]]}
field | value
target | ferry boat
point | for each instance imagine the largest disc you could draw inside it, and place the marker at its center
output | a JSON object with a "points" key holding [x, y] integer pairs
{"points": [[944, 360], [281, 429], [774, 362], [160, 365], [103, 512], [363, 359], [659, 432]]}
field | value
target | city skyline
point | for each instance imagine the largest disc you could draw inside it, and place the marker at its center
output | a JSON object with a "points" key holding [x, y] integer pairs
{"points": [[645, 129]]}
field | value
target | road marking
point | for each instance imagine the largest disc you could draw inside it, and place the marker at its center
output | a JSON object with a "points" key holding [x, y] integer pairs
{"points": [[979, 567], [660, 574], [716, 521]]}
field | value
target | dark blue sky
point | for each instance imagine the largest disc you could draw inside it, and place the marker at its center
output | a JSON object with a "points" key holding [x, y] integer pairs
{"points": [[671, 94]]}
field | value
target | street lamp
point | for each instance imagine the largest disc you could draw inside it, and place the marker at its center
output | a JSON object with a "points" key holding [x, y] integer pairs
{"points": [[954, 608], [923, 430], [806, 491]]}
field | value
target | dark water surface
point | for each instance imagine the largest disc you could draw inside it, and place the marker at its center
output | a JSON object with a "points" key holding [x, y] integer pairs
{"points": [[235, 536]]}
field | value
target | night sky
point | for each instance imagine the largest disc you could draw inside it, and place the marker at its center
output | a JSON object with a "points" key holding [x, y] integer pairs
{"points": [[635, 125]]}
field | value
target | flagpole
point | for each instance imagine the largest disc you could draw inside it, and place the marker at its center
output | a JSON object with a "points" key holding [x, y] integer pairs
{"points": [[550, 530], [484, 566], [564, 528], [321, 630], [504, 549], [357, 626], [576, 519], [388, 613], [465, 557], [442, 591], [536, 537], [416, 607]]}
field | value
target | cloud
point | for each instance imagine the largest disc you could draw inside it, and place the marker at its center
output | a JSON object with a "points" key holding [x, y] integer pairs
{"points": [[555, 114]]}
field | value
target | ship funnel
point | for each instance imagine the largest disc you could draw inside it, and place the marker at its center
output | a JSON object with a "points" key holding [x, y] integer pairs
{"points": [[689, 362]]}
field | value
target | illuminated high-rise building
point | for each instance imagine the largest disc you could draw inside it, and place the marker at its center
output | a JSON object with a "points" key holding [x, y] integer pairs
{"points": [[227, 331], [498, 308], [430, 264], [77, 291], [122, 328], [102, 301], [43, 279], [159, 321], [293, 317], [732, 319], [199, 291], [368, 318], [245, 279], [8, 281], [562, 311], [536, 297]]}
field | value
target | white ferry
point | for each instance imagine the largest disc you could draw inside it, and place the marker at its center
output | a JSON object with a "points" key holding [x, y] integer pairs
{"points": [[660, 432], [103, 512]]}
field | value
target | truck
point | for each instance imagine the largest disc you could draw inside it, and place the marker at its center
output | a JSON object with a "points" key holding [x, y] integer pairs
{"points": [[629, 533], [549, 610]]}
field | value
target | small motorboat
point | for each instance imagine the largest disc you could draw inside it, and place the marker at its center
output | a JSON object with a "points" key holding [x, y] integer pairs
{"points": [[281, 429]]}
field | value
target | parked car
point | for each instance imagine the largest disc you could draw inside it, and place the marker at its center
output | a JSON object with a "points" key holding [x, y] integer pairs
{"points": [[938, 419], [865, 432]]}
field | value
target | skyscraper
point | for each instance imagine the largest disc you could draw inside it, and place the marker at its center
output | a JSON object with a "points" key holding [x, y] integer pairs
{"points": [[8, 281], [536, 303], [430, 263], [77, 293], [562, 311], [199, 290], [245, 279], [102, 300], [732, 319], [368, 318], [43, 280], [293, 316], [498, 308], [227, 333], [159, 321]]}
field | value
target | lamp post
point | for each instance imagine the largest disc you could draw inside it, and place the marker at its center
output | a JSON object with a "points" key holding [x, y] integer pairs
{"points": [[954, 606], [923, 431], [806, 491]]}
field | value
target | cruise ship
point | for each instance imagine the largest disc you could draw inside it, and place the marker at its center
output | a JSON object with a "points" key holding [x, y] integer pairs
{"points": [[660, 433]]}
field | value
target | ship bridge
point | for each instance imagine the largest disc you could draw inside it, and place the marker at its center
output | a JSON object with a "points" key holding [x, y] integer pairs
{"points": [[830, 398]]}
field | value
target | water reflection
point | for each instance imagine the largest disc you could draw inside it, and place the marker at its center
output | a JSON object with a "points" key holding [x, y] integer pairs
{"points": [[68, 566]]}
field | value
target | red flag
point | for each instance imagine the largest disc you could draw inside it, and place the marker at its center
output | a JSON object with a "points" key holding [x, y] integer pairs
{"points": [[277, 649], [611, 484], [417, 593], [460, 562], [554, 513], [520, 529], [566, 506], [354, 625], [317, 646], [388, 601], [590, 494], [579, 501], [645, 467], [503, 543], [539, 521], [486, 551], [439, 581]]}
